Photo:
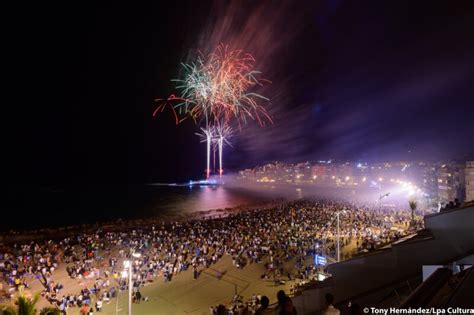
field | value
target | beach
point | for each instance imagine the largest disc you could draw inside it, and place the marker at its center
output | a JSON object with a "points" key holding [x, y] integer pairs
{"points": [[187, 265]]}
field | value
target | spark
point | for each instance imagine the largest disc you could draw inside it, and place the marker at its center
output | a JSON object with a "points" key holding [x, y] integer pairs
{"points": [[218, 90], [219, 87]]}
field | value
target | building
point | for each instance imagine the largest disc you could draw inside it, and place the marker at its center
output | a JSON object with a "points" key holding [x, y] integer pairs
{"points": [[360, 173], [318, 172], [469, 181], [344, 173], [429, 180], [451, 182], [247, 174]]}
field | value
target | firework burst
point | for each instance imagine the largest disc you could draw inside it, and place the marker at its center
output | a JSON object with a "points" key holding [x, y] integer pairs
{"points": [[218, 87], [216, 91]]}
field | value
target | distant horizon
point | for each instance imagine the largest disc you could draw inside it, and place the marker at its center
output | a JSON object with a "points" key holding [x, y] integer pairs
{"points": [[231, 172]]}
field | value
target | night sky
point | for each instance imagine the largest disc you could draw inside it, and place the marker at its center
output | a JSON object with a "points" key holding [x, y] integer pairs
{"points": [[359, 80]]}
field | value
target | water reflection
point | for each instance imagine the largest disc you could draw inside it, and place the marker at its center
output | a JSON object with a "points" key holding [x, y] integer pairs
{"points": [[200, 198]]}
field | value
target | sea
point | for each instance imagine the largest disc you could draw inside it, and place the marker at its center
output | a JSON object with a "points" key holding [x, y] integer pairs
{"points": [[31, 207]]}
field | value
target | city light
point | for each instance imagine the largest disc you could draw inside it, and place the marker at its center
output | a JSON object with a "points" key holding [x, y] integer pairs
{"points": [[379, 175]]}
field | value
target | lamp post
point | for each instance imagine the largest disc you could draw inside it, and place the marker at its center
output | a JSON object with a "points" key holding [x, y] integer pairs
{"points": [[339, 235], [380, 200], [128, 264], [338, 239], [338, 243], [128, 273]]}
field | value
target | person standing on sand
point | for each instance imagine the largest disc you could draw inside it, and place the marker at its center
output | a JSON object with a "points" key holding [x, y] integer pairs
{"points": [[98, 305], [84, 310]]}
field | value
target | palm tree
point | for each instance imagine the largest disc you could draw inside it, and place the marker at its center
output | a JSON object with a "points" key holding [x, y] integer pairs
{"points": [[413, 204], [26, 306], [50, 311], [7, 310]]}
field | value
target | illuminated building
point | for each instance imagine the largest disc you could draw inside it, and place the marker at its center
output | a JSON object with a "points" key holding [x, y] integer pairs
{"points": [[469, 181], [451, 182], [318, 171], [429, 180]]}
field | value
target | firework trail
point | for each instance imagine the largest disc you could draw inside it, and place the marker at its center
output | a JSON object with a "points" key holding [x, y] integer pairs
{"points": [[216, 91], [223, 133], [207, 135], [168, 102], [216, 138]]}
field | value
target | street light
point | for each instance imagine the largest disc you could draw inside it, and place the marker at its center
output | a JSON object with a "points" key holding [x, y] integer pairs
{"points": [[316, 248], [339, 235], [380, 200], [338, 212], [128, 265]]}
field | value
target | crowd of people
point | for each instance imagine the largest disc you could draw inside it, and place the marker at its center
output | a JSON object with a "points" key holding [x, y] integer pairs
{"points": [[451, 205], [273, 235]]}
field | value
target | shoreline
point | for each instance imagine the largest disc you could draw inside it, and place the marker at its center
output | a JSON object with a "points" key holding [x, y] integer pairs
{"points": [[13, 236]]}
